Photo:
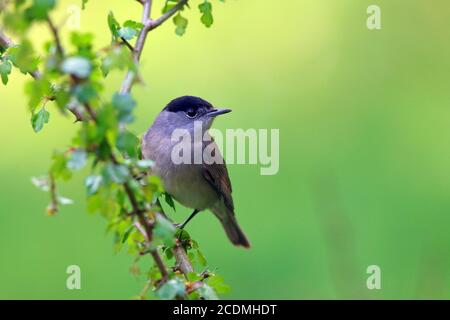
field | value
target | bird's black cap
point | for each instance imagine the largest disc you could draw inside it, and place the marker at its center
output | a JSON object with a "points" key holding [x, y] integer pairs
{"points": [[187, 103]]}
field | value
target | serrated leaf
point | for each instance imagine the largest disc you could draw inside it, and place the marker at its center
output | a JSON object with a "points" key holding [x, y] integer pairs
{"points": [[127, 143], [77, 160], [127, 33], [218, 284], [84, 92], [39, 9], [93, 184], [116, 173], [5, 71], [58, 168], [180, 23], [81, 39], [171, 289], [39, 119], [124, 104], [113, 25], [207, 292], [201, 258], [193, 276], [127, 233], [164, 230], [206, 10], [169, 201], [22, 56], [169, 253], [37, 90], [133, 24], [118, 58]]}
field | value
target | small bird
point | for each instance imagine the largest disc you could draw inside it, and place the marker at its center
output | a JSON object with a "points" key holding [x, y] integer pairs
{"points": [[198, 186]]}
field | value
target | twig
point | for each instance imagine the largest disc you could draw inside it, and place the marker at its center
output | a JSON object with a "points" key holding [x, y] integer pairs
{"points": [[149, 25], [139, 47], [182, 259], [179, 252], [136, 210], [53, 206], [153, 24], [55, 33], [5, 42], [127, 44]]}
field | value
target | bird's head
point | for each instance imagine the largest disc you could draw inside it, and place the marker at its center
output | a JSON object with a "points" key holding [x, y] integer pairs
{"points": [[182, 112]]}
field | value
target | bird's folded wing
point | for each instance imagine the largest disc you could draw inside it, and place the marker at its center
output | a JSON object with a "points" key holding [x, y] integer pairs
{"points": [[216, 175]]}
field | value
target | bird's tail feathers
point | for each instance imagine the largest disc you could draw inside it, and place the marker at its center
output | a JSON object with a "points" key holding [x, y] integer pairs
{"points": [[232, 229]]}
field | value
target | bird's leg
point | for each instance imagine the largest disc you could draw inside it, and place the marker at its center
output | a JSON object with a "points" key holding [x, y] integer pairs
{"points": [[193, 214]]}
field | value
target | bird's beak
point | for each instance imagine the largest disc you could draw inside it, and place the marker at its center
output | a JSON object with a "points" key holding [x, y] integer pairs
{"points": [[217, 112]]}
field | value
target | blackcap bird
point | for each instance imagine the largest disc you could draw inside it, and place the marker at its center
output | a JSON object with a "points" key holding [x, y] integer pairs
{"points": [[199, 186]]}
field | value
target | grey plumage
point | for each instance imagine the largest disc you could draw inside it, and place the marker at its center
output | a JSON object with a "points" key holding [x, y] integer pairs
{"points": [[197, 186]]}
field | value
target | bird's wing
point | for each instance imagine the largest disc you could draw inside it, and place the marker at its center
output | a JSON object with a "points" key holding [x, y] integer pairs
{"points": [[216, 175]]}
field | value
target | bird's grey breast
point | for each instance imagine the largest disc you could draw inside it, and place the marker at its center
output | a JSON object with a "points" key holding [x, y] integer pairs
{"points": [[185, 181]]}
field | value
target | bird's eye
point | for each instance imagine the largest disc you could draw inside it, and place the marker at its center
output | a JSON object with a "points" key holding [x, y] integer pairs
{"points": [[191, 113]]}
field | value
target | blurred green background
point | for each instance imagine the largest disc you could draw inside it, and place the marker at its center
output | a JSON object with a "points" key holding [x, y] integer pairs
{"points": [[364, 153]]}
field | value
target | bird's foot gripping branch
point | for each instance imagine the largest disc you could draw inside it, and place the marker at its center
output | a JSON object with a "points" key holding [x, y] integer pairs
{"points": [[70, 79]]}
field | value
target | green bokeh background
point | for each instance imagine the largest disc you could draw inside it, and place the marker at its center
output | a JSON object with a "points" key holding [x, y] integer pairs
{"points": [[364, 173]]}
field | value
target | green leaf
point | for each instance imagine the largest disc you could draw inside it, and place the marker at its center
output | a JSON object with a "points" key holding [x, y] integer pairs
{"points": [[84, 92], [79, 67], [169, 253], [206, 10], [93, 184], [107, 125], [113, 25], [16, 21], [169, 5], [180, 23], [22, 56], [218, 284], [201, 258], [169, 200], [124, 104], [116, 173], [207, 292], [128, 143], [62, 98], [77, 160], [193, 276], [183, 235], [5, 70], [118, 58], [58, 168], [83, 4], [39, 119], [127, 33], [171, 289], [37, 89], [39, 9], [164, 230], [127, 233], [80, 39], [133, 24]]}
